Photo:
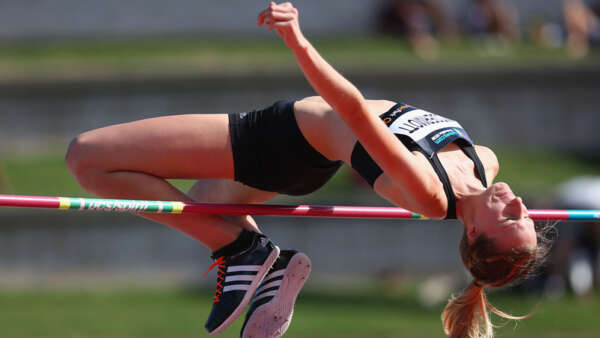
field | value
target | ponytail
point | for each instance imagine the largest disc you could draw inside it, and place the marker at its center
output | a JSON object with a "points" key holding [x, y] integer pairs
{"points": [[466, 316]]}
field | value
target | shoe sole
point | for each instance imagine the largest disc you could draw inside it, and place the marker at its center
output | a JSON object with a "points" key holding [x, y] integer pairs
{"points": [[272, 319], [253, 286]]}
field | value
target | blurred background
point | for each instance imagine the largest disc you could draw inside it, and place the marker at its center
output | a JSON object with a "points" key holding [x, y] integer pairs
{"points": [[522, 77]]}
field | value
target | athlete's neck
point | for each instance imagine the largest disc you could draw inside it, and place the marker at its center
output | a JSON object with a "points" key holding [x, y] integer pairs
{"points": [[466, 198]]}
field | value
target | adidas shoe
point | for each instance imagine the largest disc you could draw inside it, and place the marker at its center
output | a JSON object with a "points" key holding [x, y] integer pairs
{"points": [[237, 278], [270, 313]]}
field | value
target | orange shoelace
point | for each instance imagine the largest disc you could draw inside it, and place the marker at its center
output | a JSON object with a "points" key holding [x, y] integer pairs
{"points": [[220, 262]]}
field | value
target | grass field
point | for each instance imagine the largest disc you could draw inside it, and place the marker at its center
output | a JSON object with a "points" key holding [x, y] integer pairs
{"points": [[177, 56], [178, 314]]}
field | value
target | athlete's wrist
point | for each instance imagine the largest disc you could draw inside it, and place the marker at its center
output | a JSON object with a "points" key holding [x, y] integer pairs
{"points": [[296, 41]]}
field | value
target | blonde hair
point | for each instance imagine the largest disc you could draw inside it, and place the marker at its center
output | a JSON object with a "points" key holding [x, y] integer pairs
{"points": [[466, 316]]}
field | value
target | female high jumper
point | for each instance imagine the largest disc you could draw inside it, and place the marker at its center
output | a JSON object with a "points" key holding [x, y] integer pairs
{"points": [[415, 159]]}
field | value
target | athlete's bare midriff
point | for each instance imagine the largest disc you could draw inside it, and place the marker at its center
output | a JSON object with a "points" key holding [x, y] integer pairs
{"points": [[327, 133]]}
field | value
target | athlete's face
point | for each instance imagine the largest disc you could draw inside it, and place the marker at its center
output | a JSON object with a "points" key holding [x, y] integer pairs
{"points": [[502, 217]]}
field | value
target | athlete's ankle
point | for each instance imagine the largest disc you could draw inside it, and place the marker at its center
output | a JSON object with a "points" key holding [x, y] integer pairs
{"points": [[242, 265], [242, 242]]}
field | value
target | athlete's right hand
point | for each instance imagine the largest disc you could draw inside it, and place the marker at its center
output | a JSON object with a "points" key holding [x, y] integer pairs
{"points": [[284, 19]]}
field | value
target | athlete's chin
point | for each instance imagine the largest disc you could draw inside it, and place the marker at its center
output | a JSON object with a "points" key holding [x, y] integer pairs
{"points": [[502, 190]]}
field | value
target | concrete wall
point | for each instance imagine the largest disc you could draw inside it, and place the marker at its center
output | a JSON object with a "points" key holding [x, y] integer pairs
{"points": [[55, 248]]}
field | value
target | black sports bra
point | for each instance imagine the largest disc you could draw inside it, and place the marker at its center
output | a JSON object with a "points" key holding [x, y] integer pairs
{"points": [[425, 132]]}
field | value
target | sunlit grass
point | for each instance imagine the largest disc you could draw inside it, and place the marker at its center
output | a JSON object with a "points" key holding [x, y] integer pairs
{"points": [[536, 172], [210, 55], [358, 313]]}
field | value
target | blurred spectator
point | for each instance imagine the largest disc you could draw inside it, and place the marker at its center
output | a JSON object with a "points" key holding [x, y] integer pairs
{"points": [[582, 25], [547, 34], [420, 21], [575, 258], [491, 19]]}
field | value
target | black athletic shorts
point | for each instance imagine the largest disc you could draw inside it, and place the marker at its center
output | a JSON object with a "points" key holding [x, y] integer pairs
{"points": [[270, 153]]}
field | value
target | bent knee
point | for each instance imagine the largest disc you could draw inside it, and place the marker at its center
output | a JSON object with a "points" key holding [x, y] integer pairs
{"points": [[75, 156], [82, 158]]}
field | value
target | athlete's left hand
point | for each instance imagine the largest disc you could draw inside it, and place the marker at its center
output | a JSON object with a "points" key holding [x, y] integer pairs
{"points": [[284, 19]]}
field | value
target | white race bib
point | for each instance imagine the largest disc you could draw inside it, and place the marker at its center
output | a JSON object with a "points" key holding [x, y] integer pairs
{"points": [[418, 123]]}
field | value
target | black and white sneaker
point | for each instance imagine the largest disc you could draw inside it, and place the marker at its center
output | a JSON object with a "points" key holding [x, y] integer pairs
{"points": [[237, 279], [270, 313]]}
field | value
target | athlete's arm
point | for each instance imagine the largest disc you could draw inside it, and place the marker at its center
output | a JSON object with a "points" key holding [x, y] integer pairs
{"points": [[387, 151]]}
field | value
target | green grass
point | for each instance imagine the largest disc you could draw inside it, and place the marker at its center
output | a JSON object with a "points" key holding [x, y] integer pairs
{"points": [[175, 56], [173, 313], [46, 174], [537, 172], [39, 174]]}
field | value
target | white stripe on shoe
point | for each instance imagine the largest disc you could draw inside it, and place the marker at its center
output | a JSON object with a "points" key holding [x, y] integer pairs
{"points": [[271, 293], [275, 274], [236, 287], [249, 268], [235, 278], [269, 285]]}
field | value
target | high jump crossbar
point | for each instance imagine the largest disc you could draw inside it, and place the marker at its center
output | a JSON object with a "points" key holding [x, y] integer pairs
{"points": [[174, 207]]}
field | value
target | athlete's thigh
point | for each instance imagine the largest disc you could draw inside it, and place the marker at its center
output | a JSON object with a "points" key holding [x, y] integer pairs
{"points": [[178, 146]]}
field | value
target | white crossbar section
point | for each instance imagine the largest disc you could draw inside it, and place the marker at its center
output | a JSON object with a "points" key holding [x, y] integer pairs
{"points": [[243, 268], [239, 277], [269, 285], [235, 287], [266, 294]]}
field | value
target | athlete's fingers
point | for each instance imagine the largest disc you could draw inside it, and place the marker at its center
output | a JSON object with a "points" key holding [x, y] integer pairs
{"points": [[284, 8], [283, 16], [286, 5], [265, 12], [279, 15], [272, 9], [278, 11], [261, 17], [279, 26], [278, 18], [272, 16]]}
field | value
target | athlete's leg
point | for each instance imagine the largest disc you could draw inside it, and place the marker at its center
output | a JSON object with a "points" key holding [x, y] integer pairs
{"points": [[229, 191], [272, 307], [133, 160]]}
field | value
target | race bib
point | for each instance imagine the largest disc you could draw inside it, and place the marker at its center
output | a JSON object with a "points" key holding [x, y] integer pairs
{"points": [[430, 131]]}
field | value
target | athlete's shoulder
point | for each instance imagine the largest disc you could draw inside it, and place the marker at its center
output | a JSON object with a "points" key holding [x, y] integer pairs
{"points": [[317, 103], [312, 105], [379, 106], [314, 99]]}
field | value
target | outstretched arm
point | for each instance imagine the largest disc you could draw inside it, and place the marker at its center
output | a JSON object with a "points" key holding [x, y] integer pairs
{"points": [[395, 160]]}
